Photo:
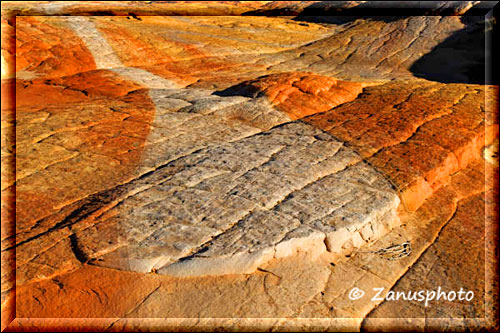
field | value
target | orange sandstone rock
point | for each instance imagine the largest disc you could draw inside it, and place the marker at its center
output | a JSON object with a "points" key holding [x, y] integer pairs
{"points": [[462, 257], [189, 49], [131, 9], [8, 48], [67, 124], [299, 94], [45, 48], [80, 133], [102, 292], [416, 133], [72, 89]]}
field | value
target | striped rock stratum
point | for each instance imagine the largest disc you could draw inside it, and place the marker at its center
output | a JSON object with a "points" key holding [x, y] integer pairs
{"points": [[244, 165]]}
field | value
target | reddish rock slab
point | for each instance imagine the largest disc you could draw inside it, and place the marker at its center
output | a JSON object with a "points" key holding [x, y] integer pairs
{"points": [[66, 152], [299, 94], [106, 293], [455, 260], [45, 48], [464, 255], [259, 8], [188, 49], [63, 147], [416, 133], [8, 48], [365, 50], [96, 292], [280, 288], [132, 9], [72, 89], [69, 124]]}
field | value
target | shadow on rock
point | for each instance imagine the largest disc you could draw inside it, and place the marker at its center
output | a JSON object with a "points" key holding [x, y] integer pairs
{"points": [[339, 12], [460, 58], [342, 12], [241, 89]]}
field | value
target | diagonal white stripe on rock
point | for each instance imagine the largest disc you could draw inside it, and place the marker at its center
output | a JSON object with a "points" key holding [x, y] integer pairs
{"points": [[217, 195], [105, 57]]}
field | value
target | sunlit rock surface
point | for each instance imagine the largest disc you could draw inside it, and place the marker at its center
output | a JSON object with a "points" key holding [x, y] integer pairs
{"points": [[213, 160]]}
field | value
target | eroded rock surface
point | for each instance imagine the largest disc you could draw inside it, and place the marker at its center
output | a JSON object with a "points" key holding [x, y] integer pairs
{"points": [[254, 164], [299, 94], [407, 136], [248, 180]]}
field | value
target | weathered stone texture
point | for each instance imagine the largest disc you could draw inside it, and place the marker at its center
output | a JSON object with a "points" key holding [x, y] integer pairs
{"points": [[45, 48], [247, 167], [299, 94], [403, 130]]}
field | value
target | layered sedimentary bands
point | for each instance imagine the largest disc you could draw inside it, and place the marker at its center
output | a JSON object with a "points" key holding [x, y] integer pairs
{"points": [[243, 165]]}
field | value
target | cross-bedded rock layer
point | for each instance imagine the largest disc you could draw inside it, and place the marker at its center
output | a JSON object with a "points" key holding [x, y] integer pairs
{"points": [[195, 146], [175, 231], [221, 119], [203, 52]]}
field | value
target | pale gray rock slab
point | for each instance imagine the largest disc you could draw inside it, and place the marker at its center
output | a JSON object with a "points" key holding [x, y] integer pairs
{"points": [[359, 214], [226, 183], [230, 207], [191, 119]]}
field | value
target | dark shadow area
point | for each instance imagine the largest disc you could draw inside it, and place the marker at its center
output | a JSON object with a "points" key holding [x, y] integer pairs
{"points": [[492, 53], [461, 58], [241, 89], [338, 13], [341, 12]]}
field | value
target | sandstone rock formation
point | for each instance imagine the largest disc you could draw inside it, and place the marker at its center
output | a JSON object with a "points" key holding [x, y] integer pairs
{"points": [[242, 166]]}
